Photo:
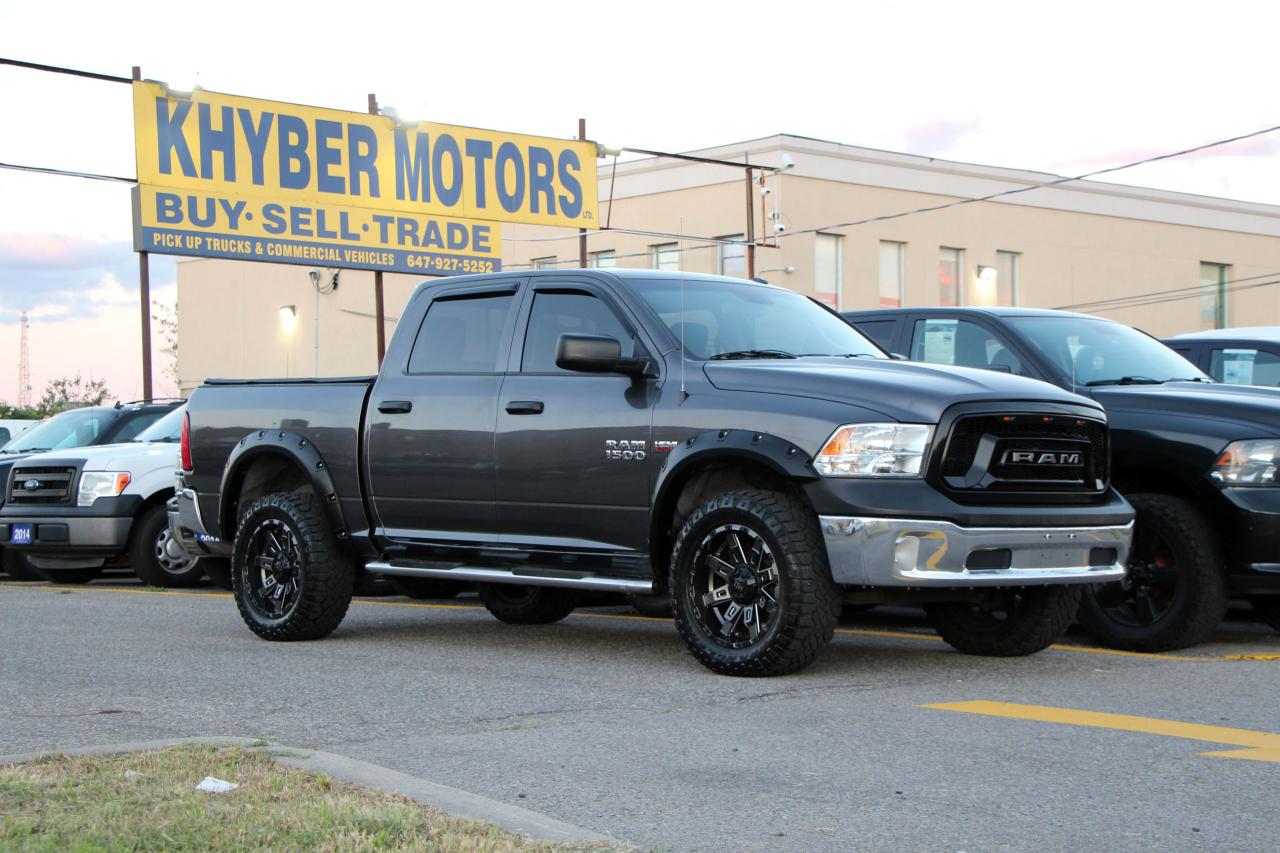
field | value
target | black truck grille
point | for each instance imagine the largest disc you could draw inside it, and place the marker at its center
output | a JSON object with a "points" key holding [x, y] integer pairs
{"points": [[41, 485], [1026, 452]]}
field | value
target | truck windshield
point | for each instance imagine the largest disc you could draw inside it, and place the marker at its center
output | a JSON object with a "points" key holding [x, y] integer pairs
{"points": [[76, 428], [1100, 352], [168, 428], [745, 320]]}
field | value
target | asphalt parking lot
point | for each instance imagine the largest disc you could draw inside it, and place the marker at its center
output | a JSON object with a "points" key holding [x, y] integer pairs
{"points": [[606, 722]]}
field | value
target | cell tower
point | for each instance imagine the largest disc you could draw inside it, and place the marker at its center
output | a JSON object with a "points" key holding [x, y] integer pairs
{"points": [[24, 368]]}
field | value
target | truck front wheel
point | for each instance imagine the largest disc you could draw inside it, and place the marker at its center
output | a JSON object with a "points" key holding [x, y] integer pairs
{"points": [[1014, 623], [156, 557], [751, 589], [1176, 593], [290, 581], [527, 605]]}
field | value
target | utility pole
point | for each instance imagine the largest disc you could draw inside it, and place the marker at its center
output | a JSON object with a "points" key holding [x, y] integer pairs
{"points": [[751, 225], [582, 232], [379, 313], [144, 296]]}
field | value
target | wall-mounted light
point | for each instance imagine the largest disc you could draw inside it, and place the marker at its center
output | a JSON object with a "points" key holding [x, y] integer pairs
{"points": [[288, 318], [987, 274], [787, 269]]}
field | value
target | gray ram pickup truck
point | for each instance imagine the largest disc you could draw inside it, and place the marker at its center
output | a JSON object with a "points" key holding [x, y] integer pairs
{"points": [[731, 443]]}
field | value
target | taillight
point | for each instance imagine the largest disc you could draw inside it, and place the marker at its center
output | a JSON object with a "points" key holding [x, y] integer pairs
{"points": [[186, 442]]}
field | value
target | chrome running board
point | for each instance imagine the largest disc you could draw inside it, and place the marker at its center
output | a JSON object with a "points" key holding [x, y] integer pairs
{"points": [[527, 577]]}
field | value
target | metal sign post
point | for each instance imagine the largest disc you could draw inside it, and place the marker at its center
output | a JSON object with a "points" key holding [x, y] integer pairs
{"points": [[144, 295], [379, 314]]}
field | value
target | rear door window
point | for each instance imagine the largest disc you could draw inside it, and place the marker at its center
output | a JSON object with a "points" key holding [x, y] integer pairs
{"points": [[131, 426], [962, 343], [1245, 366], [462, 334]]}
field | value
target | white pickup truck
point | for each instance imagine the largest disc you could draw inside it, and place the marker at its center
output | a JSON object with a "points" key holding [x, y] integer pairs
{"points": [[71, 512]]}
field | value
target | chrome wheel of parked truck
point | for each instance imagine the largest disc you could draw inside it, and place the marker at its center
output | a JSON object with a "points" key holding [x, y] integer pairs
{"points": [[548, 435]]}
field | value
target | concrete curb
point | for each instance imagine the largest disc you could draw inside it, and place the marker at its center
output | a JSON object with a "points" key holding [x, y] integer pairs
{"points": [[452, 800]]}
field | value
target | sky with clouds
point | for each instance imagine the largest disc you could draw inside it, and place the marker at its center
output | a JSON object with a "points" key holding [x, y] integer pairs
{"points": [[1056, 87]]}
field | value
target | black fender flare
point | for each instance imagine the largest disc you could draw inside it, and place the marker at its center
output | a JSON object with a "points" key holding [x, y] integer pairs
{"points": [[776, 453], [282, 444]]}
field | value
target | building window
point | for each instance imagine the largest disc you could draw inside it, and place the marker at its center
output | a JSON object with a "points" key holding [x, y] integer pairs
{"points": [[893, 274], [828, 262], [666, 256], [605, 260], [1008, 269], [1213, 295], [950, 271], [544, 263], [731, 258]]}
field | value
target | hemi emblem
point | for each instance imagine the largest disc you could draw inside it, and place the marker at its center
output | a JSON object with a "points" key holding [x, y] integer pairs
{"points": [[1042, 457]]}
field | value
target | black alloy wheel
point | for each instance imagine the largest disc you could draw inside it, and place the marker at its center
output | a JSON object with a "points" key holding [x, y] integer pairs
{"points": [[735, 586], [272, 576], [1150, 588]]}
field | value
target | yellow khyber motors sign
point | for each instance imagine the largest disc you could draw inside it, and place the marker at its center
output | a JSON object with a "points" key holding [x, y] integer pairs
{"points": [[232, 177]]}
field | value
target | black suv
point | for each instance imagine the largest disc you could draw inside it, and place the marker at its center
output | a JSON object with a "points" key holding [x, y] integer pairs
{"points": [[1197, 459], [1234, 356], [86, 427]]}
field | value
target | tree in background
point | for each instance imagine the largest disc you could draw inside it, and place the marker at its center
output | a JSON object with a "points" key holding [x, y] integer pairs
{"points": [[165, 316], [67, 393]]}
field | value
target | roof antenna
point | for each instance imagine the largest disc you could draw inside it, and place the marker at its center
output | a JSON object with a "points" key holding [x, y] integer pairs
{"points": [[684, 395]]}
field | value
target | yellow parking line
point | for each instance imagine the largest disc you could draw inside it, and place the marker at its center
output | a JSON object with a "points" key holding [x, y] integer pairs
{"points": [[856, 632], [1258, 746]]}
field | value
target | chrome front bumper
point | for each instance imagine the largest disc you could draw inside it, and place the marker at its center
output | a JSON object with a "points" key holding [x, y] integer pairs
{"points": [[898, 552]]}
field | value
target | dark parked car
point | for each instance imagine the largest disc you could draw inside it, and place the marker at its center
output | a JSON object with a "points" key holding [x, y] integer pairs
{"points": [[548, 433], [89, 426], [1235, 356], [1197, 459]]}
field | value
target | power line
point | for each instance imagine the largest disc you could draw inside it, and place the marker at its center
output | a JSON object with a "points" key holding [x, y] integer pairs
{"points": [[58, 69], [1119, 299], [66, 173], [1164, 299], [1029, 188]]}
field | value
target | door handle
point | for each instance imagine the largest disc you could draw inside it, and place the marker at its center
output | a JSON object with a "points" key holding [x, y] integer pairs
{"points": [[524, 407], [395, 407]]}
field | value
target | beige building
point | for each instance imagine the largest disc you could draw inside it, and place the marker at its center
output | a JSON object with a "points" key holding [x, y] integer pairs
{"points": [[1090, 246]]}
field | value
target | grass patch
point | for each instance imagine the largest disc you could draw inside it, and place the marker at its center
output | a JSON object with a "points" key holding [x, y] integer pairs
{"points": [[148, 801]]}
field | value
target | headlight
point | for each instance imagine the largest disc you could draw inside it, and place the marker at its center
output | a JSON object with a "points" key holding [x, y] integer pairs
{"points": [[101, 484], [1252, 462], [875, 450]]}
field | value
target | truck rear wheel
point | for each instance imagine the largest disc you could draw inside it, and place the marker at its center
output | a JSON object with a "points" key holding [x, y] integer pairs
{"points": [[527, 605], [156, 557], [1268, 609], [1176, 592], [751, 589], [290, 581], [1015, 623]]}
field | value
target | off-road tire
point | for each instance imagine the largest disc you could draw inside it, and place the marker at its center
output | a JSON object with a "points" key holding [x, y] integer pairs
{"points": [[147, 528], [1201, 597], [807, 600], [1033, 620], [327, 576], [19, 567], [218, 571], [420, 588], [70, 576], [527, 605], [1267, 608]]}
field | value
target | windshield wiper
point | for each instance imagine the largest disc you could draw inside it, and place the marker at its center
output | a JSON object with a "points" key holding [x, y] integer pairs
{"points": [[1126, 380], [846, 355], [751, 353], [1190, 379], [28, 450]]}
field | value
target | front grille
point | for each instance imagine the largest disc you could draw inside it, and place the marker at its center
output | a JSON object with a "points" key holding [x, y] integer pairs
{"points": [[41, 485], [1026, 452]]}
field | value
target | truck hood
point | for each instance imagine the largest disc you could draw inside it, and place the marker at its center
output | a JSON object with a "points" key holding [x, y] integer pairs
{"points": [[1254, 412], [909, 392], [135, 457]]}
